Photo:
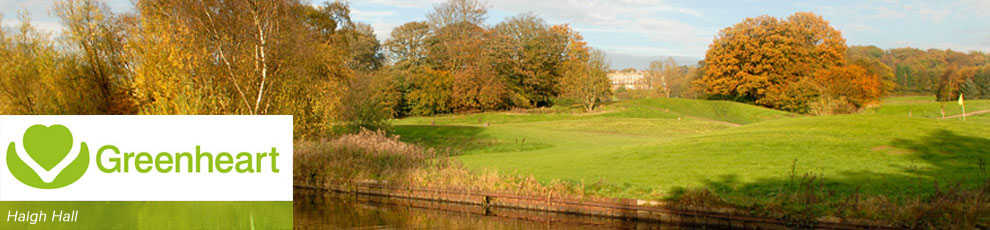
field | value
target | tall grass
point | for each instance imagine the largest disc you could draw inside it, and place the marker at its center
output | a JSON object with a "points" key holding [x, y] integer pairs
{"points": [[365, 155], [374, 155]]}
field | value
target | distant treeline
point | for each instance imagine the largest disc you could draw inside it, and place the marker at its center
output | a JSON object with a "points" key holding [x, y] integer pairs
{"points": [[943, 73], [332, 74], [290, 57], [910, 71]]}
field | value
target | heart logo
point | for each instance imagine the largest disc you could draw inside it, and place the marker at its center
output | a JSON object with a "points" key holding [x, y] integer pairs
{"points": [[47, 145]]}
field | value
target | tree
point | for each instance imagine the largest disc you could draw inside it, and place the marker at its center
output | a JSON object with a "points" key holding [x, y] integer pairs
{"points": [[842, 89], [364, 48], [430, 93], [585, 73], [662, 72], [757, 59], [241, 57], [30, 82], [367, 103], [254, 45], [323, 67], [407, 50], [408, 43], [460, 48], [684, 87], [98, 36], [452, 12], [977, 86], [163, 66], [869, 57], [442, 65], [527, 54], [933, 71]]}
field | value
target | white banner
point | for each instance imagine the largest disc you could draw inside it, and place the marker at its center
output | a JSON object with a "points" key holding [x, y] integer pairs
{"points": [[146, 158]]}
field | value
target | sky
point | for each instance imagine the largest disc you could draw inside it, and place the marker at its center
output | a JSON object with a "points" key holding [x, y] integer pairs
{"points": [[633, 32]]}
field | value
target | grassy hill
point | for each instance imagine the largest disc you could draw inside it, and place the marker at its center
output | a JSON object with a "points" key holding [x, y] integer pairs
{"points": [[926, 107], [651, 148]]}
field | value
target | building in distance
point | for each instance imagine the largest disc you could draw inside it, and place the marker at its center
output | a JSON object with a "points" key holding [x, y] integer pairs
{"points": [[629, 79]]}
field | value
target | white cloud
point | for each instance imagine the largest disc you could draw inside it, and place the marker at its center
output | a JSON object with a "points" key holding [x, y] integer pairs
{"points": [[378, 20], [52, 27], [936, 14], [404, 3], [647, 19], [856, 27], [366, 15], [976, 7], [960, 47], [654, 20], [653, 51]]}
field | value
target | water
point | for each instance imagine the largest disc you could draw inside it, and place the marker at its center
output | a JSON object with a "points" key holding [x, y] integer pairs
{"points": [[321, 210]]}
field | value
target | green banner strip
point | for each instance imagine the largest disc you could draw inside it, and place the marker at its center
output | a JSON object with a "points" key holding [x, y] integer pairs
{"points": [[146, 214]]}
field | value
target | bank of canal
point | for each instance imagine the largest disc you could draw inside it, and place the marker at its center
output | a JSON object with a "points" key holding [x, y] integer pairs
{"points": [[315, 209], [616, 213]]}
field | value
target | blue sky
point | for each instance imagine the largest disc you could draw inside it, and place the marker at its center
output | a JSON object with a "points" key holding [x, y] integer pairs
{"points": [[647, 29]]}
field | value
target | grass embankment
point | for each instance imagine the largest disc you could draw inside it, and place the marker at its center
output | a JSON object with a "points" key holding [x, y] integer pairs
{"points": [[746, 155]]}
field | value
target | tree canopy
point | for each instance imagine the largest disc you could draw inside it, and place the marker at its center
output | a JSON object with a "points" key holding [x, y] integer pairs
{"points": [[787, 64]]}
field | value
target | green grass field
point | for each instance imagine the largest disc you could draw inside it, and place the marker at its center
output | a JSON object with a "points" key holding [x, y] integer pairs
{"points": [[650, 148]]}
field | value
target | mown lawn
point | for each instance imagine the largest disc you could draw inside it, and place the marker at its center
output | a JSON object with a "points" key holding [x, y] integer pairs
{"points": [[926, 107], [651, 148]]}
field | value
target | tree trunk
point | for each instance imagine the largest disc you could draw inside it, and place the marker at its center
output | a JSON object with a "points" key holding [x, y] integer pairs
{"points": [[264, 62]]}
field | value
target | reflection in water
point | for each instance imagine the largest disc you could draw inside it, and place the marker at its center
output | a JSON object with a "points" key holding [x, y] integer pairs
{"points": [[321, 210]]}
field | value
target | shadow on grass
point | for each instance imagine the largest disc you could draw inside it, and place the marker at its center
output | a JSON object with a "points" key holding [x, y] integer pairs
{"points": [[949, 187], [457, 140]]}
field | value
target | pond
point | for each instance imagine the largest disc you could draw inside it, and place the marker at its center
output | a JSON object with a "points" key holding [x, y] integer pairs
{"points": [[327, 210]]}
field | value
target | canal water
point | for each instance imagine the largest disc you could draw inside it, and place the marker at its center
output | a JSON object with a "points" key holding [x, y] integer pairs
{"points": [[324, 210]]}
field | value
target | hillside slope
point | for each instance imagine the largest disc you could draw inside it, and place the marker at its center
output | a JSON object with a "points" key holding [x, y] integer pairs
{"points": [[653, 147]]}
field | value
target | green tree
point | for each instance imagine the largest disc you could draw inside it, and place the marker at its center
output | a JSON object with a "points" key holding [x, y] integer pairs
{"points": [[527, 54], [407, 50], [978, 86]]}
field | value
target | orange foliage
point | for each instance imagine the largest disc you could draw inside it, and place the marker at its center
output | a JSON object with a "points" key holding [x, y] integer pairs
{"points": [[463, 50], [758, 59], [577, 49], [853, 83]]}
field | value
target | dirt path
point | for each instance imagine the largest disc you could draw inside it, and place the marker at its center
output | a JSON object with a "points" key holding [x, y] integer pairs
{"points": [[969, 114]]}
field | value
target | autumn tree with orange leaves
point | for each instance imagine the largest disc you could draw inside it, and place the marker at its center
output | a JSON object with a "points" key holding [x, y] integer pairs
{"points": [[791, 64], [584, 71]]}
